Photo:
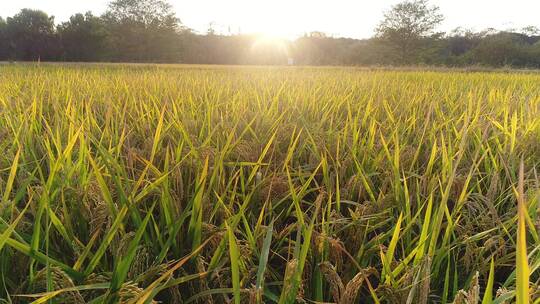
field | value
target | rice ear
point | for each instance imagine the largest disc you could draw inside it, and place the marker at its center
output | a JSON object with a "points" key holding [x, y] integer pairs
{"points": [[461, 298], [352, 288], [473, 296], [333, 279], [60, 280], [289, 272], [100, 218], [131, 291]]}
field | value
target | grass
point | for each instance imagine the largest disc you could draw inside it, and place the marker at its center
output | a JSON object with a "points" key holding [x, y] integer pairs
{"points": [[136, 184]]}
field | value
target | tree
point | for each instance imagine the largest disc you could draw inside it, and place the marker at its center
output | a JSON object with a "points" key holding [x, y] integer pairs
{"points": [[143, 30], [84, 38], [534, 54], [4, 43], [32, 36], [460, 41], [503, 48], [530, 30], [407, 27]]}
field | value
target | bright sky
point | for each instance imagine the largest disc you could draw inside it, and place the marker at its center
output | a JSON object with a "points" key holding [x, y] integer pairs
{"points": [[292, 18]]}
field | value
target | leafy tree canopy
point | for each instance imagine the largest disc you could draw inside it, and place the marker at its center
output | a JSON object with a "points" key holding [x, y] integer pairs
{"points": [[144, 12]]}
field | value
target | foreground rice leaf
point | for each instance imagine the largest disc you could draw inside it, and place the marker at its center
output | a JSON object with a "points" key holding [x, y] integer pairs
{"points": [[263, 260], [235, 270], [488, 293], [522, 264]]}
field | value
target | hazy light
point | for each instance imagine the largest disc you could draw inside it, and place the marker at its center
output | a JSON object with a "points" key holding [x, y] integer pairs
{"points": [[274, 41]]}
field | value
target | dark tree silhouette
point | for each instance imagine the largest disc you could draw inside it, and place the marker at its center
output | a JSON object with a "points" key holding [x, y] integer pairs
{"points": [[143, 30], [406, 27], [31, 34], [84, 38], [4, 41]]}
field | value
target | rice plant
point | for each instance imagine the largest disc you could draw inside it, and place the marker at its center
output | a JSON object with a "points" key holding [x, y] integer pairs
{"points": [[197, 184]]}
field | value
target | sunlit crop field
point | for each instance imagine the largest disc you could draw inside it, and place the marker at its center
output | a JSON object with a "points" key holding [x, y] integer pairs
{"points": [[132, 184]]}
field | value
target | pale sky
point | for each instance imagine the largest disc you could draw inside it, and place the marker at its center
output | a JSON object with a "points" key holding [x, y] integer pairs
{"points": [[292, 18]]}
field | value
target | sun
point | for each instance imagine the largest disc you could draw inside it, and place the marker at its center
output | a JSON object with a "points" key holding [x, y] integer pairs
{"points": [[271, 41]]}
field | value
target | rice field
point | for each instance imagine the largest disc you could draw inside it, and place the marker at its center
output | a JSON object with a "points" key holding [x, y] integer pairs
{"points": [[197, 184]]}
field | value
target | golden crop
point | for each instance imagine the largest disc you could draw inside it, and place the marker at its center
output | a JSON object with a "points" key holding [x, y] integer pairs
{"points": [[180, 184]]}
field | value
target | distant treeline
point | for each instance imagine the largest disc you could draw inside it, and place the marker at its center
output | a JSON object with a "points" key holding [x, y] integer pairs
{"points": [[149, 31]]}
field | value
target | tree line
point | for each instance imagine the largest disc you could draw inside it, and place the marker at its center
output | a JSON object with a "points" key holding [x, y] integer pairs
{"points": [[150, 31]]}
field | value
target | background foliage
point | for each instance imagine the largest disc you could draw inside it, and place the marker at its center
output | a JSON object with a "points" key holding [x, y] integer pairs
{"points": [[149, 31]]}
